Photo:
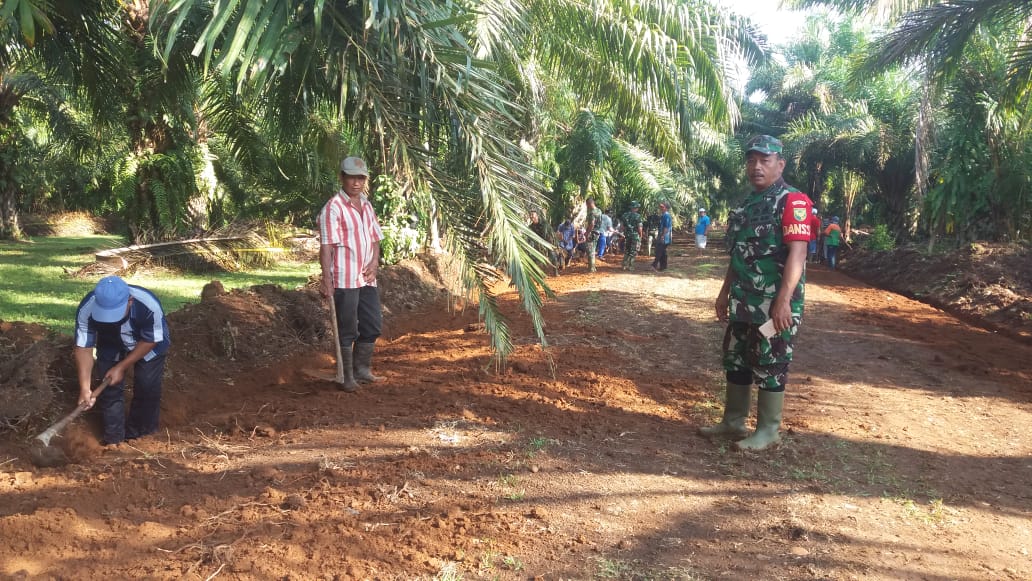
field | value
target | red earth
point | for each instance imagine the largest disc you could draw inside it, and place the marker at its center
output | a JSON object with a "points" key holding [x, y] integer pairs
{"points": [[906, 452]]}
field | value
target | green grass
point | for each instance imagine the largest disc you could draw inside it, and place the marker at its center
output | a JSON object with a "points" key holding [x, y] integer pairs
{"points": [[36, 286], [539, 445]]}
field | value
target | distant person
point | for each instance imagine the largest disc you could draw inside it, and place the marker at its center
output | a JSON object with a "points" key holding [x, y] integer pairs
{"points": [[126, 325], [652, 229], [567, 241], [592, 229], [762, 295], [632, 236], [616, 238], [666, 227], [832, 239], [583, 248], [815, 236], [702, 227], [350, 255], [605, 232], [545, 233]]}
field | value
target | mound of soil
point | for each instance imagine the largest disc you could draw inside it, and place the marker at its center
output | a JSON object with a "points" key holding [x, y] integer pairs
{"points": [[416, 282], [986, 284], [27, 382], [225, 334]]}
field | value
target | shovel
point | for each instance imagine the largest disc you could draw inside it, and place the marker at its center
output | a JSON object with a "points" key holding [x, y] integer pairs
{"points": [[336, 342], [339, 378], [42, 453]]}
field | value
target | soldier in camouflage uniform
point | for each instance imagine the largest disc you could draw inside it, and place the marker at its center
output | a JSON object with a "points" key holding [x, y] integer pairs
{"points": [[593, 228], [767, 237], [632, 232]]}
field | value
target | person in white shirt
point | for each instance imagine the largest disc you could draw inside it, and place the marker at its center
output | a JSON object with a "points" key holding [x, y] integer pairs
{"points": [[350, 255]]}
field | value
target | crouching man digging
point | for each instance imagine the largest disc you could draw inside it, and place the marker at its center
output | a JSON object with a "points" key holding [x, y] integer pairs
{"points": [[349, 255], [762, 295], [126, 325]]}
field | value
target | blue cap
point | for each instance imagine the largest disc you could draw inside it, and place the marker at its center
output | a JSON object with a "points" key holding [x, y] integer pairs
{"points": [[835, 220], [109, 300]]}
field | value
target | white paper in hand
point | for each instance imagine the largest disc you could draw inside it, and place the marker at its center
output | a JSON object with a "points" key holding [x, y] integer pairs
{"points": [[767, 329]]}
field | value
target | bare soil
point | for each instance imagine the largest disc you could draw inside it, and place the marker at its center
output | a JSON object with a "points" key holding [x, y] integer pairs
{"points": [[906, 452]]}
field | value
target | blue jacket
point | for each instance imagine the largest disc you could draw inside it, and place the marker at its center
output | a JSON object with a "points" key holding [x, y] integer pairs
{"points": [[146, 322]]}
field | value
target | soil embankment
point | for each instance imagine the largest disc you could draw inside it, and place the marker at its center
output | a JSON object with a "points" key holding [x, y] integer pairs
{"points": [[986, 284]]}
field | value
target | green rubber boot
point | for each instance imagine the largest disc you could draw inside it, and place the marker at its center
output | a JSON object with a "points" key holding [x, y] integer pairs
{"points": [[768, 420], [347, 382], [736, 410], [364, 363]]}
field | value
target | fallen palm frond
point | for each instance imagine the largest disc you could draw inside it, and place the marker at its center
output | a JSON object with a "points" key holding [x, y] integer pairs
{"points": [[228, 249]]}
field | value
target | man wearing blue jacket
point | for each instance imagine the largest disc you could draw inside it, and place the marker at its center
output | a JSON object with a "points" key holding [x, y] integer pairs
{"points": [[126, 325]]}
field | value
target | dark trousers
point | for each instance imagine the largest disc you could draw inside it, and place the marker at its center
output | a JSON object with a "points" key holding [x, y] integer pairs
{"points": [[145, 407], [661, 256], [359, 316], [565, 256]]}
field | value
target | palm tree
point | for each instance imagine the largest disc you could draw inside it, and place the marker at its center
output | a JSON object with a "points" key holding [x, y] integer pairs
{"points": [[839, 132], [439, 96], [981, 185], [30, 91], [935, 33], [102, 50], [986, 47]]}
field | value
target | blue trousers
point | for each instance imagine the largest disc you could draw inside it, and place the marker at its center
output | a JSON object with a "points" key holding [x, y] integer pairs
{"points": [[603, 241], [145, 407], [832, 256]]}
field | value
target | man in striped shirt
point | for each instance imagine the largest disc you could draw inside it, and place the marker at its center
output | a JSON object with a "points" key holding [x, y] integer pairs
{"points": [[349, 255], [126, 325]]}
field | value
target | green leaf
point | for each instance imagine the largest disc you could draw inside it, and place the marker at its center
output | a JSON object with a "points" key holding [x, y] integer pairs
{"points": [[27, 22]]}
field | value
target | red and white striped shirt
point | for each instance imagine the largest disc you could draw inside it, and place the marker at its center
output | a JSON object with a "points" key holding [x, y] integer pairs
{"points": [[352, 232]]}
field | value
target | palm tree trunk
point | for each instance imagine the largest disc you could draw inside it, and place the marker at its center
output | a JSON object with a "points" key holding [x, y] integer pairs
{"points": [[10, 224], [149, 133], [851, 184], [922, 143]]}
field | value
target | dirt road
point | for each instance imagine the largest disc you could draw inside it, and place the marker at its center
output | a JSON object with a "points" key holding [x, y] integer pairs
{"points": [[906, 454]]}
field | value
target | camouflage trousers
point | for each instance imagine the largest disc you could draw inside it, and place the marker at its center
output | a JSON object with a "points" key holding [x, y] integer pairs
{"points": [[630, 253], [749, 356]]}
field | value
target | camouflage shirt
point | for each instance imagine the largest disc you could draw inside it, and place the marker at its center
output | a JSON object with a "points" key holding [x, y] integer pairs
{"points": [[593, 219], [632, 221], [757, 233]]}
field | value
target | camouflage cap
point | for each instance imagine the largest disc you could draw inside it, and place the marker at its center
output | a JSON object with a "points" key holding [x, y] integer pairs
{"points": [[764, 144], [635, 205]]}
